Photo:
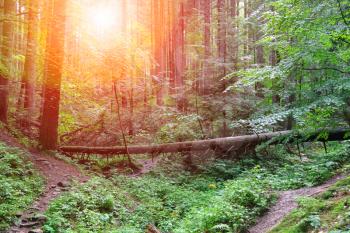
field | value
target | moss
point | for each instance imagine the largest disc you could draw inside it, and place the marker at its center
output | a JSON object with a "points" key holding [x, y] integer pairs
{"points": [[331, 208], [226, 196], [20, 184]]}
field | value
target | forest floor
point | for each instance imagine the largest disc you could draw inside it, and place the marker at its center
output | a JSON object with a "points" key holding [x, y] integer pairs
{"points": [[58, 176], [162, 193], [147, 165], [286, 203]]}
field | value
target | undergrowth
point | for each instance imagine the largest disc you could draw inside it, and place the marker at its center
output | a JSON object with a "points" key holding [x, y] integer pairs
{"points": [[284, 171], [226, 196], [330, 212], [20, 184]]}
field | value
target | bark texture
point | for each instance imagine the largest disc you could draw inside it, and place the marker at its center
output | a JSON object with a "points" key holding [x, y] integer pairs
{"points": [[6, 50], [53, 73], [228, 144], [29, 76]]}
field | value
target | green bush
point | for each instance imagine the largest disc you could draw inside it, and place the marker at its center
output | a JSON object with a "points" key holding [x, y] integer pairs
{"points": [[181, 128], [328, 212], [227, 197], [20, 184]]}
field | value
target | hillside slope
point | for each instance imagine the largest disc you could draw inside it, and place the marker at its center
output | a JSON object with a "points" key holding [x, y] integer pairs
{"points": [[329, 212], [20, 185]]}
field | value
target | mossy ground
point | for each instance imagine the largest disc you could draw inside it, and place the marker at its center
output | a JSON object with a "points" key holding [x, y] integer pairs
{"points": [[329, 212], [225, 196], [20, 184]]}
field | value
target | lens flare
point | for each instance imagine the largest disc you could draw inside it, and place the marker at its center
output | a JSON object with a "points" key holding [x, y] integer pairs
{"points": [[103, 18]]}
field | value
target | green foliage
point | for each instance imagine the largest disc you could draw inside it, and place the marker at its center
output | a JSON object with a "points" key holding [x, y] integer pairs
{"points": [[285, 171], [181, 128], [68, 123], [227, 197], [239, 203], [125, 204], [310, 83], [132, 205], [328, 213], [20, 184]]}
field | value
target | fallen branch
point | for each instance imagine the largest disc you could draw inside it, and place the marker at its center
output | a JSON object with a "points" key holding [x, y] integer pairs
{"points": [[82, 128], [228, 144]]}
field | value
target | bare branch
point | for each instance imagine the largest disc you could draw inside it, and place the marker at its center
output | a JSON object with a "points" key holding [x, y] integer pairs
{"points": [[342, 14], [327, 68]]}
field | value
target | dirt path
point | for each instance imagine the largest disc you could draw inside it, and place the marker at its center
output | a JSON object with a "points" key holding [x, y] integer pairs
{"points": [[147, 166], [58, 175], [286, 203]]}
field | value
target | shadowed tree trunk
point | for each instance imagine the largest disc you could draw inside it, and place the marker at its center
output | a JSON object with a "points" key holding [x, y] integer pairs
{"points": [[222, 50], [259, 50], [206, 76], [53, 74], [158, 49], [221, 37], [180, 59], [223, 145], [29, 76], [6, 50], [123, 85]]}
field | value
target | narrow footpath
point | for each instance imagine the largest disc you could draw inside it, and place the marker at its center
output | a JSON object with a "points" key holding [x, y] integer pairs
{"points": [[58, 175], [286, 204]]}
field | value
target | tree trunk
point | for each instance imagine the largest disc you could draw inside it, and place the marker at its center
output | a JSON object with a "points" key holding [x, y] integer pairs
{"points": [[53, 74], [222, 24], [222, 50], [123, 81], [259, 51], [152, 229], [29, 76], [180, 59], [273, 59], [8, 28], [234, 45], [206, 82], [230, 144], [158, 49]]}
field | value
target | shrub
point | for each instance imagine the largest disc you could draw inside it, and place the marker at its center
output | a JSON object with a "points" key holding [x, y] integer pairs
{"points": [[20, 184]]}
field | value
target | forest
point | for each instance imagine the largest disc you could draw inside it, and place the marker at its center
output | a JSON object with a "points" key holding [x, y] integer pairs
{"points": [[174, 116]]}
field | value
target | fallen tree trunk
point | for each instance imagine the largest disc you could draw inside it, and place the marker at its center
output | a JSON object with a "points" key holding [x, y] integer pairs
{"points": [[219, 144]]}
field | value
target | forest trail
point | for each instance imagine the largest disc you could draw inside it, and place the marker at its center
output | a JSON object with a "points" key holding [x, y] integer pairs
{"points": [[147, 166], [286, 203], [58, 175]]}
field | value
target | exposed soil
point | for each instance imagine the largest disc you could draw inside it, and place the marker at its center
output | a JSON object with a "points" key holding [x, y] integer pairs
{"points": [[58, 175], [286, 203], [147, 166]]}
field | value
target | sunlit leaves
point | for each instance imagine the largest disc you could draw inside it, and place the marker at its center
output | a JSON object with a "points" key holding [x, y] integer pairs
{"points": [[312, 40]]}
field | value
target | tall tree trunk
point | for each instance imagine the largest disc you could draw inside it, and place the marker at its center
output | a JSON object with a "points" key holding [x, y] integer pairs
{"points": [[222, 24], [6, 50], [273, 60], [162, 53], [29, 76], [1, 23], [180, 58], [206, 76], [131, 99], [123, 87], [246, 28], [234, 11], [222, 50], [157, 49], [259, 51], [172, 46], [53, 74]]}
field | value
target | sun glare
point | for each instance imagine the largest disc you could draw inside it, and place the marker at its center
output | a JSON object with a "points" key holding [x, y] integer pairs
{"points": [[103, 18]]}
